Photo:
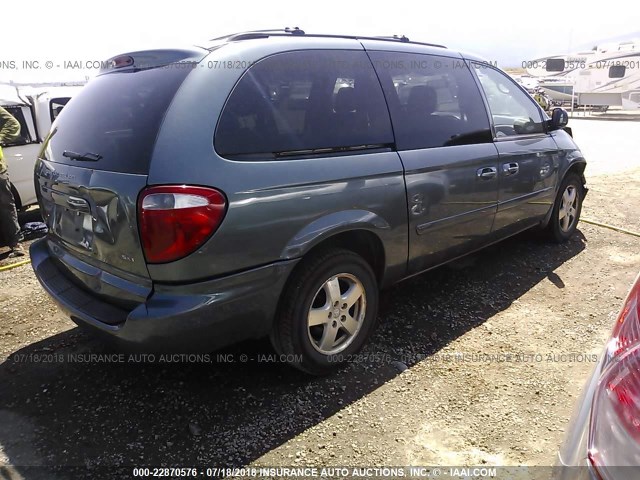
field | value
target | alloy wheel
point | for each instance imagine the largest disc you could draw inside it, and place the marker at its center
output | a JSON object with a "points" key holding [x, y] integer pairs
{"points": [[337, 313]]}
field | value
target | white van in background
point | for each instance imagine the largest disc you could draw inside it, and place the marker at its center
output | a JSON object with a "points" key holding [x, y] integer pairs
{"points": [[35, 109]]}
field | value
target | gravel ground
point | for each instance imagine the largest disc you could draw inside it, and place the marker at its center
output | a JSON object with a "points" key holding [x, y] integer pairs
{"points": [[475, 363]]}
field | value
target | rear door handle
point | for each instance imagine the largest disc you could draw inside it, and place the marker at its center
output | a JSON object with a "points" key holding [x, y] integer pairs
{"points": [[510, 168], [487, 173]]}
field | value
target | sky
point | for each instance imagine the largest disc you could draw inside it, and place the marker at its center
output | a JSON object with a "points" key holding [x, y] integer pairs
{"points": [[508, 32]]}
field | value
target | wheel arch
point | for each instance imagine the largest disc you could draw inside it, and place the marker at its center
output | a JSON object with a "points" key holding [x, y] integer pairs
{"points": [[576, 167], [362, 242], [359, 231]]}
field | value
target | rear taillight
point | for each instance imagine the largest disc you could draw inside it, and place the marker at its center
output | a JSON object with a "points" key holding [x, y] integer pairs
{"points": [[614, 433], [626, 332], [176, 220]]}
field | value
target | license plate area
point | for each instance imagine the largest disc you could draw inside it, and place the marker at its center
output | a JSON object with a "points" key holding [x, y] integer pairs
{"points": [[71, 219]]}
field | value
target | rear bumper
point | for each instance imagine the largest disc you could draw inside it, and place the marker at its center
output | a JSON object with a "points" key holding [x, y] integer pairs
{"points": [[201, 316]]}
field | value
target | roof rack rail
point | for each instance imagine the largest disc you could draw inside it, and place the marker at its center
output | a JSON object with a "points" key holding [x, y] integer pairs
{"points": [[297, 31], [259, 33]]}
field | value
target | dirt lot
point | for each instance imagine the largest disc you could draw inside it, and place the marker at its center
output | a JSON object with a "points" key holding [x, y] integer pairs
{"points": [[463, 331]]}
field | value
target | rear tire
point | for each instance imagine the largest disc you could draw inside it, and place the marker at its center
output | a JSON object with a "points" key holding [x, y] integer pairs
{"points": [[566, 209], [327, 312]]}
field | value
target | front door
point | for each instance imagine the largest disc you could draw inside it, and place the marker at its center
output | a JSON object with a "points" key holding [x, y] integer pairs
{"points": [[528, 155]]}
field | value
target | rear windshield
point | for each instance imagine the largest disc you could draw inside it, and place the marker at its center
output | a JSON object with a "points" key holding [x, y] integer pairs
{"points": [[116, 116]]}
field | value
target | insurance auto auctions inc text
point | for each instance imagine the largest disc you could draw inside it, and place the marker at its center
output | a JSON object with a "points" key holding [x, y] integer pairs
{"points": [[355, 472]]}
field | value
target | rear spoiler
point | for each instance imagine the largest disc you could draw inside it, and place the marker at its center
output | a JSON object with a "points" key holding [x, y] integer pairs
{"points": [[146, 59]]}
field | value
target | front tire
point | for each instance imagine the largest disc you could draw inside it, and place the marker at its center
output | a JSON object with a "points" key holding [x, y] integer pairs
{"points": [[327, 312], [566, 209]]}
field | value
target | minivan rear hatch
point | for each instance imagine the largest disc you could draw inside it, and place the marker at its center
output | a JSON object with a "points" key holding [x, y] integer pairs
{"points": [[95, 161]]}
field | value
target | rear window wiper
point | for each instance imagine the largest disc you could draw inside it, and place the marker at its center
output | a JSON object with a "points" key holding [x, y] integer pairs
{"points": [[82, 157]]}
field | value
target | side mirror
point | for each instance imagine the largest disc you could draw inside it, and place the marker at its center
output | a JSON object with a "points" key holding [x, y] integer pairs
{"points": [[559, 119]]}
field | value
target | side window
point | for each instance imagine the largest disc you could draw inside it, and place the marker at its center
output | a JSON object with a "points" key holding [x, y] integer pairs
{"points": [[617, 71], [513, 111], [21, 114], [56, 105], [305, 102], [555, 65], [434, 101]]}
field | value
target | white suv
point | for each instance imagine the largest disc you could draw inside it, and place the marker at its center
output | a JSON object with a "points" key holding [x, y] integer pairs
{"points": [[35, 109]]}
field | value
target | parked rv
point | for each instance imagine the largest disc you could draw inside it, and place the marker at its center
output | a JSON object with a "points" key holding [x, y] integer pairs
{"points": [[35, 109], [605, 76]]}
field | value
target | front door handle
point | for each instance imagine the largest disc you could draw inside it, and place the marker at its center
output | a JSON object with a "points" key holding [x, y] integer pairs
{"points": [[510, 168], [487, 173]]}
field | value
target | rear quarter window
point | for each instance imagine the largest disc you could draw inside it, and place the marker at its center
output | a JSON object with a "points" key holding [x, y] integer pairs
{"points": [[117, 116]]}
